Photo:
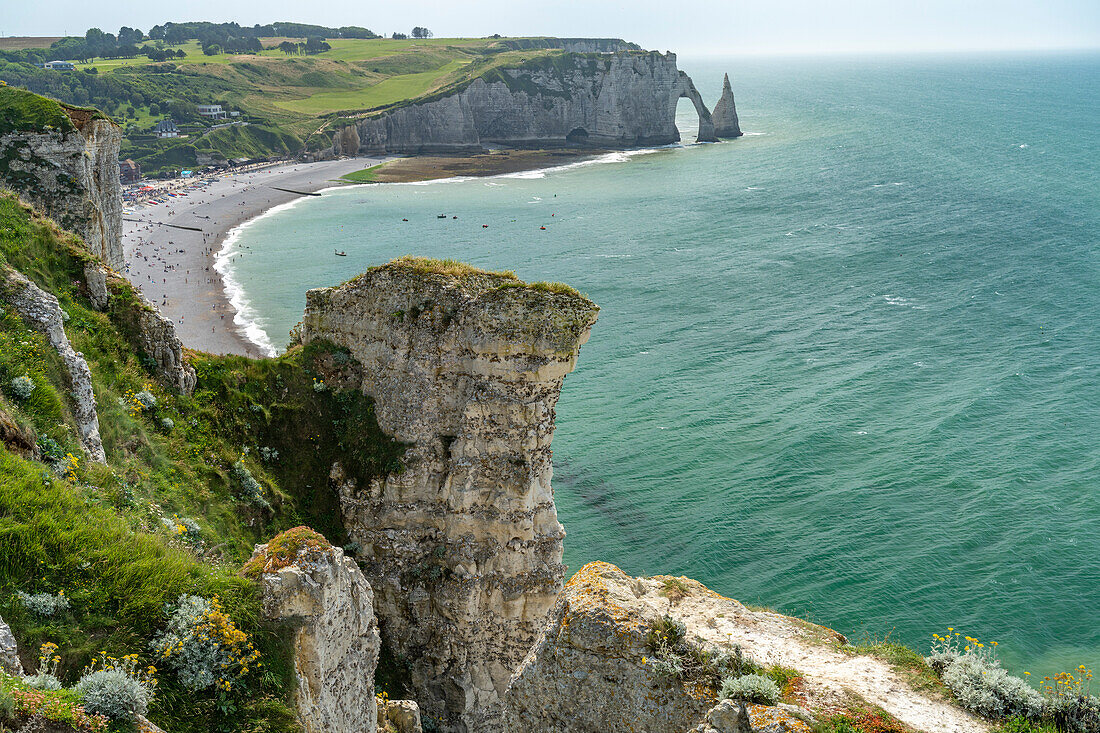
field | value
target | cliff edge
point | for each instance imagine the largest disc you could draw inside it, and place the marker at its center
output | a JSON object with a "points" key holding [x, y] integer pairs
{"points": [[464, 548], [602, 100], [64, 160]]}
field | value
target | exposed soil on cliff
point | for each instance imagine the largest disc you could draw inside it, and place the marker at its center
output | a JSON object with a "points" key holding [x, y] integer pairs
{"points": [[427, 168]]}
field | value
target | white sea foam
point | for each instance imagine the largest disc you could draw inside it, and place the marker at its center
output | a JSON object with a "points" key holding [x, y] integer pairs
{"points": [[246, 317]]}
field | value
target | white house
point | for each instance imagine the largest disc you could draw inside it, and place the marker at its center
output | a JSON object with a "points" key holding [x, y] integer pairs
{"points": [[59, 65], [212, 111]]}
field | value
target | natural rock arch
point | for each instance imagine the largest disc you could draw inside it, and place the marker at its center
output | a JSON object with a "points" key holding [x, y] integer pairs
{"points": [[686, 88]]}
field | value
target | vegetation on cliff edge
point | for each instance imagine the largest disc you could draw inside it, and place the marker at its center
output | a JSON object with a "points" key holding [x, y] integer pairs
{"points": [[171, 513]]}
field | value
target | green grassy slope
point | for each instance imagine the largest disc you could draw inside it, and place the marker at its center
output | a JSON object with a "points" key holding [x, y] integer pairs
{"points": [[98, 533]]}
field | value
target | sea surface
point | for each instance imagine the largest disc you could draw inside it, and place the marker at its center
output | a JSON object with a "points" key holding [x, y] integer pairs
{"points": [[847, 366]]}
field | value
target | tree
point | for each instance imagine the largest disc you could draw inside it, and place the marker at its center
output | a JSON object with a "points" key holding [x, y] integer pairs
{"points": [[288, 48], [421, 32], [211, 49], [399, 36], [176, 35], [130, 36], [316, 45], [180, 53]]}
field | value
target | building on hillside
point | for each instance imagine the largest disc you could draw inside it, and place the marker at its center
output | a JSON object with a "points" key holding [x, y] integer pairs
{"points": [[212, 111], [59, 65], [166, 128], [129, 171]]}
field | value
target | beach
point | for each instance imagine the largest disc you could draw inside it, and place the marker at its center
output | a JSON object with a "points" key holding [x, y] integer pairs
{"points": [[171, 247], [174, 267]]}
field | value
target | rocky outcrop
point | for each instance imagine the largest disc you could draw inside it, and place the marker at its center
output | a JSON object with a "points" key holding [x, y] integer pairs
{"points": [[71, 173], [588, 670], [9, 652], [596, 667], [464, 547], [157, 338], [324, 597], [571, 99], [398, 716], [42, 311], [155, 335], [725, 113]]}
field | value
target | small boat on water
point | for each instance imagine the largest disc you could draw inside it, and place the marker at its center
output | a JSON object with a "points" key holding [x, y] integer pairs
{"points": [[338, 253], [441, 216]]}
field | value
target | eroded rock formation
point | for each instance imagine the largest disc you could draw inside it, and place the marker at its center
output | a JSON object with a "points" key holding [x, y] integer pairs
{"points": [[157, 338], [398, 716], [72, 175], [324, 597], [9, 653], [622, 99], [588, 670], [463, 549], [42, 311], [725, 113]]}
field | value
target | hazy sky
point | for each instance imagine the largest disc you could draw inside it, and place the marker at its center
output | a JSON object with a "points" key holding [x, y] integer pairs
{"points": [[688, 27]]}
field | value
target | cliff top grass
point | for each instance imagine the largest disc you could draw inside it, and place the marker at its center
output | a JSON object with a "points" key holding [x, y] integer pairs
{"points": [[469, 274], [24, 111]]}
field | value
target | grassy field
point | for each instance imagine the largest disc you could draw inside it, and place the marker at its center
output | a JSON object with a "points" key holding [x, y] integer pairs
{"points": [[18, 43], [388, 91]]}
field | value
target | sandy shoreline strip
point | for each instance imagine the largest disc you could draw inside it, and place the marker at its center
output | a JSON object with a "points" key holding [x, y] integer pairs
{"points": [[175, 268]]}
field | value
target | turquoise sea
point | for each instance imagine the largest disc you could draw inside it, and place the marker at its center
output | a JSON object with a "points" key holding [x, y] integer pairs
{"points": [[847, 366]]}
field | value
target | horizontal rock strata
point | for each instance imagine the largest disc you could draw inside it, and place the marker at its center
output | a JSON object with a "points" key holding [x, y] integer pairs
{"points": [[463, 548]]}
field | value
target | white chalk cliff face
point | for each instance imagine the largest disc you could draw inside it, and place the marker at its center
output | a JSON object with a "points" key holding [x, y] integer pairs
{"points": [[725, 113], [621, 99], [324, 598], [73, 177], [463, 549]]}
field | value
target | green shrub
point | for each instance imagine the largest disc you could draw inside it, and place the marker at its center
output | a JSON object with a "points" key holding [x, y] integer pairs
{"points": [[983, 687], [1078, 713], [22, 387], [751, 688], [45, 605], [203, 646], [114, 694]]}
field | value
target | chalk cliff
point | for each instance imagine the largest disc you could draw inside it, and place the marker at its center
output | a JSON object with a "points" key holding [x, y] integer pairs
{"points": [[725, 113], [309, 585], [42, 311], [463, 549], [622, 99], [622, 654], [69, 169]]}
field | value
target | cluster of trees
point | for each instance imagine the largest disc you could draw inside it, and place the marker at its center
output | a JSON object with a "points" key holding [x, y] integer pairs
{"points": [[96, 43], [311, 46], [215, 38], [175, 33], [417, 32]]}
